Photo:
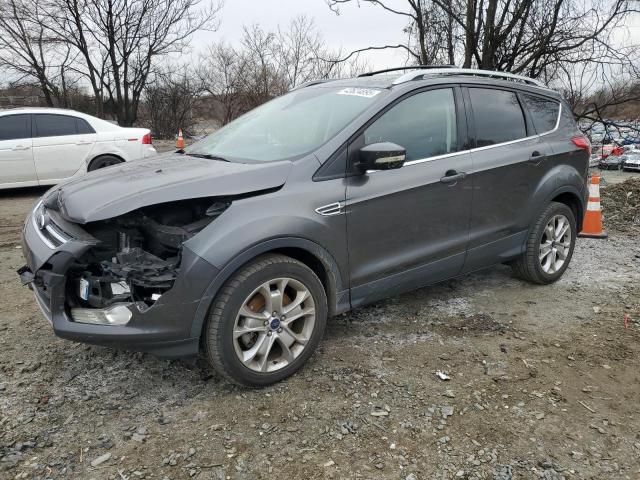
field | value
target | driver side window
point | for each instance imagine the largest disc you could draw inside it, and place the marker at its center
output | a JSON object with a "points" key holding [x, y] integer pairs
{"points": [[424, 124]]}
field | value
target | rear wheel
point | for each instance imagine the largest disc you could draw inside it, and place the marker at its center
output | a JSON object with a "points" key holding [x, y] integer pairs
{"points": [[549, 246], [266, 322], [103, 161]]}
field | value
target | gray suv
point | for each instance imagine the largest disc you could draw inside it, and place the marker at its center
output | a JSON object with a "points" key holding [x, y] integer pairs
{"points": [[335, 195]]}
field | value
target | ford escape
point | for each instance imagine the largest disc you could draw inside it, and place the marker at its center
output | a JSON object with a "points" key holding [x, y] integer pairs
{"points": [[335, 195]]}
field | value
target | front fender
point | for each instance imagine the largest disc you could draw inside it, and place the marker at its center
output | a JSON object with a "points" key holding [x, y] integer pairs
{"points": [[338, 295]]}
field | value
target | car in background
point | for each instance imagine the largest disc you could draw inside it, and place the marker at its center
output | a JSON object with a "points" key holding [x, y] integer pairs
{"points": [[42, 146], [611, 162], [631, 160], [594, 159], [631, 140]]}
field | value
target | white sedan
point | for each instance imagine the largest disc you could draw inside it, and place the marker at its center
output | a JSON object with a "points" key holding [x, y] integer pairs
{"points": [[631, 160], [42, 146]]}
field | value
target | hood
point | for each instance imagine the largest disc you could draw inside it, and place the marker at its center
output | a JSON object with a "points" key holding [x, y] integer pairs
{"points": [[116, 190]]}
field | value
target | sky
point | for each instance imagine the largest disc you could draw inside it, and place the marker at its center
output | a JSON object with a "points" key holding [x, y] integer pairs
{"points": [[355, 27]]}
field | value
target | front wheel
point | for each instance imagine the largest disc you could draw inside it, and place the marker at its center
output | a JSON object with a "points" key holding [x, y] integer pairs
{"points": [[266, 321], [549, 246]]}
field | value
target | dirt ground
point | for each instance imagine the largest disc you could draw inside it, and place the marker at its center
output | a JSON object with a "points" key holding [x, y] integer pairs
{"points": [[544, 383]]}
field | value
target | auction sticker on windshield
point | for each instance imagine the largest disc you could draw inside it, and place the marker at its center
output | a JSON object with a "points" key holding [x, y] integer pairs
{"points": [[359, 92]]}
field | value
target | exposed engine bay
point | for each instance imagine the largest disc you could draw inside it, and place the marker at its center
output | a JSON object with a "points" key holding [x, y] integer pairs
{"points": [[137, 258]]}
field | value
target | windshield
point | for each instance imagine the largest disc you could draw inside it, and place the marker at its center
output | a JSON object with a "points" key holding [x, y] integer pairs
{"points": [[288, 126]]}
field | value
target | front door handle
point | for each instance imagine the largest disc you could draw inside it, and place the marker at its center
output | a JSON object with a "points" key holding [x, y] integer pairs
{"points": [[453, 177], [536, 157], [21, 147], [84, 143]]}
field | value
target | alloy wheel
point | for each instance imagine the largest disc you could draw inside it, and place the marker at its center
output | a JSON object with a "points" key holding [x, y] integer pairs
{"points": [[555, 244], [274, 325]]}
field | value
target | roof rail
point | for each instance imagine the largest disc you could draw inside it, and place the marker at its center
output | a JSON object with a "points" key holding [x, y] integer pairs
{"points": [[417, 74], [397, 69]]}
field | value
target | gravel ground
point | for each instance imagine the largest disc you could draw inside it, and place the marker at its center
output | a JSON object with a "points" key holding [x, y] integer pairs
{"points": [[543, 383]]}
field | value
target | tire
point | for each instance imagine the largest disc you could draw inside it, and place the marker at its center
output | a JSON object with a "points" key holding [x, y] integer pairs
{"points": [[243, 290], [103, 161], [531, 265]]}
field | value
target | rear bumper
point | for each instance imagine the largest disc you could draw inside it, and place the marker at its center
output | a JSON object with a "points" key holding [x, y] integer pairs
{"points": [[631, 167], [163, 329], [148, 151]]}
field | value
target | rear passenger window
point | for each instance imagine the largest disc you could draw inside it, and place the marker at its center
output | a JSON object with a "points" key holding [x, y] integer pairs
{"points": [[15, 127], [49, 125], [424, 124], [497, 116], [544, 112]]}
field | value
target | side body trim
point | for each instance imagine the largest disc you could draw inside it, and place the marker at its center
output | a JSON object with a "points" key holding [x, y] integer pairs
{"points": [[336, 208]]}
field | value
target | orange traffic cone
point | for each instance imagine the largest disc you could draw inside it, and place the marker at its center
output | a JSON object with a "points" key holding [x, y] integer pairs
{"points": [[592, 225], [180, 141]]}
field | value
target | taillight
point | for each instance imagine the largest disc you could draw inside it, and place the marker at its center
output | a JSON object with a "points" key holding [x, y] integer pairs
{"points": [[146, 140], [582, 142]]}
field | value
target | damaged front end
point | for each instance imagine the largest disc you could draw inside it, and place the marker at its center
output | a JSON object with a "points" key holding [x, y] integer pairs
{"points": [[137, 257], [111, 256]]}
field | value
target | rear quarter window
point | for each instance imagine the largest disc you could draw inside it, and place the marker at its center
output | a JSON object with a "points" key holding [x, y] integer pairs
{"points": [[83, 127], [566, 117], [543, 112]]}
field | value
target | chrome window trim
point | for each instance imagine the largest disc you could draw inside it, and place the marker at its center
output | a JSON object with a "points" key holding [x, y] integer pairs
{"points": [[479, 149]]}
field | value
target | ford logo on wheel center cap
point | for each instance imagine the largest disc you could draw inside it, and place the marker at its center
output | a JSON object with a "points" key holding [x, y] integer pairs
{"points": [[274, 324]]}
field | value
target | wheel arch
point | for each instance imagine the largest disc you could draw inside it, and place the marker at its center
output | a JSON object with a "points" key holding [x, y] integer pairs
{"points": [[563, 184], [318, 259], [572, 200], [100, 155]]}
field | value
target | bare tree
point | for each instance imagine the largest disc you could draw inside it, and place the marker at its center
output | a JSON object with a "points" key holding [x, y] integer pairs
{"points": [[220, 71], [119, 42], [604, 103], [266, 64], [301, 54], [169, 100], [431, 30], [548, 39], [31, 53], [520, 36]]}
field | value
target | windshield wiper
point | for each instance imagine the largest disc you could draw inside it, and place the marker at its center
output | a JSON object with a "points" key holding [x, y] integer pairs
{"points": [[208, 156]]}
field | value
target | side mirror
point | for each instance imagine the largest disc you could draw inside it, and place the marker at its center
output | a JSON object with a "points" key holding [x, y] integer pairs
{"points": [[381, 156]]}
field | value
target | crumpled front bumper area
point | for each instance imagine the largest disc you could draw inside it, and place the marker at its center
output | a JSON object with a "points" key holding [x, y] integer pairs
{"points": [[163, 328]]}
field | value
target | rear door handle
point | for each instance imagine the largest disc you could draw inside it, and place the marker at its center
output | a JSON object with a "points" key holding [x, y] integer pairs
{"points": [[84, 143], [536, 157], [452, 177], [21, 147]]}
